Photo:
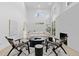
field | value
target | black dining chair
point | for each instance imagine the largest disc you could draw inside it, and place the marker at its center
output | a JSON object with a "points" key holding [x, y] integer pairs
{"points": [[63, 40], [18, 47], [55, 45], [49, 42]]}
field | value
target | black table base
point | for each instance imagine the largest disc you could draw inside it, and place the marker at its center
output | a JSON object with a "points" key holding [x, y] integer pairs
{"points": [[34, 42]]}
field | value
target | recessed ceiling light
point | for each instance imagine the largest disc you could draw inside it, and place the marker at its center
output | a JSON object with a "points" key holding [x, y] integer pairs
{"points": [[39, 5]]}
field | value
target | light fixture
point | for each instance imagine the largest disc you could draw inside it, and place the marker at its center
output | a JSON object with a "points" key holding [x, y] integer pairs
{"points": [[39, 5]]}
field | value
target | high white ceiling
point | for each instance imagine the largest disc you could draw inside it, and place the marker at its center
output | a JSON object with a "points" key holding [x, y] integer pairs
{"points": [[41, 12], [39, 5]]}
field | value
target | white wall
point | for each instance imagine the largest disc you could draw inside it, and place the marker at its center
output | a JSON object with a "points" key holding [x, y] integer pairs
{"points": [[68, 22], [15, 12]]}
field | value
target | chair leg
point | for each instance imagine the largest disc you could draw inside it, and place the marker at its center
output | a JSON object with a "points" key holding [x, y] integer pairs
{"points": [[64, 50], [19, 53], [28, 50], [46, 48], [10, 52], [54, 51]]}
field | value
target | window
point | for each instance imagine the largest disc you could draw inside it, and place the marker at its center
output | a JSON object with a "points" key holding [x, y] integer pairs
{"points": [[40, 13]]}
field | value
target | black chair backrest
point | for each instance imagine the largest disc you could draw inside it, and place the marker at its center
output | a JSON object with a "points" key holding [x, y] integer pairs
{"points": [[63, 35], [50, 39], [10, 40]]}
